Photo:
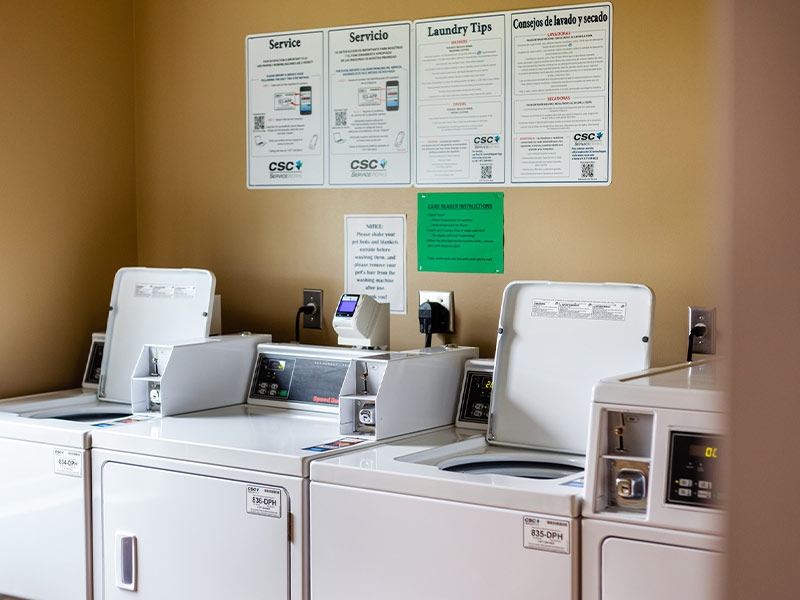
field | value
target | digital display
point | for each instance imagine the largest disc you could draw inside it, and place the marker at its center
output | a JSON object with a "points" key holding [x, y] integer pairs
{"points": [[347, 306], [703, 451]]}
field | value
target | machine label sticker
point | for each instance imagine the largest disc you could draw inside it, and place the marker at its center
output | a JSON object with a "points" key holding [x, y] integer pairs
{"points": [[164, 290], [578, 309], [265, 501], [335, 445], [544, 533], [68, 462]]}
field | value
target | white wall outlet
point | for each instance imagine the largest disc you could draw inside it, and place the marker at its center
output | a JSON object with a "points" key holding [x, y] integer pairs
{"points": [[446, 299]]}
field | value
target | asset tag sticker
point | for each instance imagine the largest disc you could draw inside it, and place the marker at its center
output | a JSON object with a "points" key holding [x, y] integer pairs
{"points": [[68, 462], [550, 535], [265, 501], [578, 309]]}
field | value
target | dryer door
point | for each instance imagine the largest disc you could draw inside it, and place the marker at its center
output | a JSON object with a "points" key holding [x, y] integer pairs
{"points": [[633, 570], [169, 534]]}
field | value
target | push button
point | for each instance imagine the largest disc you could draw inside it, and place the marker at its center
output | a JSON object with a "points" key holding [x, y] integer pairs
{"points": [[704, 494], [685, 482], [684, 492], [704, 485]]}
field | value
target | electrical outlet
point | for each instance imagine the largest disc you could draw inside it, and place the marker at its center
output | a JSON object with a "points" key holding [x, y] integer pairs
{"points": [[705, 318], [313, 297], [446, 299]]}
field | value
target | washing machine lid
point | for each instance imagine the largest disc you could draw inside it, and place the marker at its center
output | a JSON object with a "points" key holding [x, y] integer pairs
{"points": [[151, 306], [555, 341]]}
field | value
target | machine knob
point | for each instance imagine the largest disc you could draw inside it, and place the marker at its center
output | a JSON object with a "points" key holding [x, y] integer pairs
{"points": [[631, 484]]}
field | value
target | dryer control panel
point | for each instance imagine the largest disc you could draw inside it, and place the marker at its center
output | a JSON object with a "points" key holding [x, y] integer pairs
{"points": [[694, 469]]}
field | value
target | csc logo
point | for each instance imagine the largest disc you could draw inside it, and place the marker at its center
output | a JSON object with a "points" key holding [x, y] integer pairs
{"points": [[366, 164], [285, 166], [487, 139], [588, 136]]}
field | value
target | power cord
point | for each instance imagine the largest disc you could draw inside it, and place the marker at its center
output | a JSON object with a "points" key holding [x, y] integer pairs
{"points": [[308, 309], [697, 331], [433, 318]]}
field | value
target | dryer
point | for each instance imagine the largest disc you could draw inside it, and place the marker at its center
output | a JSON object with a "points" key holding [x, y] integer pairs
{"points": [[457, 514], [45, 440], [654, 516]]}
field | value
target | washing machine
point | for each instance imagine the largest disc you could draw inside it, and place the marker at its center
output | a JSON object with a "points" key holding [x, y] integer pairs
{"points": [[657, 472], [45, 470], [214, 504], [456, 514]]}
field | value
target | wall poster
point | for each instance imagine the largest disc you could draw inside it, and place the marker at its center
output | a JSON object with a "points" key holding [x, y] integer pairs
{"points": [[370, 105], [285, 109]]}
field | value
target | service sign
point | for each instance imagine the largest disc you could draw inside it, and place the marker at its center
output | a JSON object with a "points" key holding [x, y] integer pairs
{"points": [[285, 109], [370, 105]]}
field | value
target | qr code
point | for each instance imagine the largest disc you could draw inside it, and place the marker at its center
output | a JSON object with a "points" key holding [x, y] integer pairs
{"points": [[587, 169], [486, 172], [341, 118], [258, 122]]}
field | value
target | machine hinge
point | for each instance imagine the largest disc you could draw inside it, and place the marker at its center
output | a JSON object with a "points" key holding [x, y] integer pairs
{"points": [[489, 432], [289, 522]]}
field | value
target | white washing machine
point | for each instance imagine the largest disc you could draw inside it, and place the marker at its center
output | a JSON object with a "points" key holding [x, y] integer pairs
{"points": [[214, 504], [454, 514], [654, 520], [45, 474]]}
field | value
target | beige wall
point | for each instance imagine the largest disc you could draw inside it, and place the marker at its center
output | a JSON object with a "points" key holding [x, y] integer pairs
{"points": [[66, 182], [653, 225]]}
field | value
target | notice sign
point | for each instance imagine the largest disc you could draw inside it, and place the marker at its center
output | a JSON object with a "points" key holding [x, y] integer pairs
{"points": [[370, 99], [375, 258], [460, 233], [461, 100], [285, 109], [561, 95]]}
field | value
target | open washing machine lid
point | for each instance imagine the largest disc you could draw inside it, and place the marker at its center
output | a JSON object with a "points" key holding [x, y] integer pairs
{"points": [[151, 306], [555, 341]]}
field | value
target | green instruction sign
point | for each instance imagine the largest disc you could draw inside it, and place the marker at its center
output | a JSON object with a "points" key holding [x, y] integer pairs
{"points": [[460, 233]]}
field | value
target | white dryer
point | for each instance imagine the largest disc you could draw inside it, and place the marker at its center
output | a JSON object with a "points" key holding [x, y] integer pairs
{"points": [[214, 504], [454, 514], [45, 474], [654, 520]]}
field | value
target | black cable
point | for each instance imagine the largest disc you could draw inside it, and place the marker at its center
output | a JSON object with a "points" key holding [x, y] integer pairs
{"points": [[308, 309], [428, 334], [697, 331]]}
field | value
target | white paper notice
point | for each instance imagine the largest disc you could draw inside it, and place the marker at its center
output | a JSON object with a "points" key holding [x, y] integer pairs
{"points": [[561, 95], [285, 109], [370, 96], [461, 98], [375, 258]]}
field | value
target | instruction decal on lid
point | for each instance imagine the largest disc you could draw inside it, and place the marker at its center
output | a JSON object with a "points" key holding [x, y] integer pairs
{"points": [[264, 501], [544, 533], [578, 309], [67, 462], [164, 290]]}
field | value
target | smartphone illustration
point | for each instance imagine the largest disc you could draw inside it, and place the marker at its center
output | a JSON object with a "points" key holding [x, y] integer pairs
{"points": [[313, 143], [398, 141], [305, 99], [392, 95]]}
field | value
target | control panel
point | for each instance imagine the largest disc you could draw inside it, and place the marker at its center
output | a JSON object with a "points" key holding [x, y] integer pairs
{"points": [[477, 397], [307, 380], [92, 375], [695, 470]]}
